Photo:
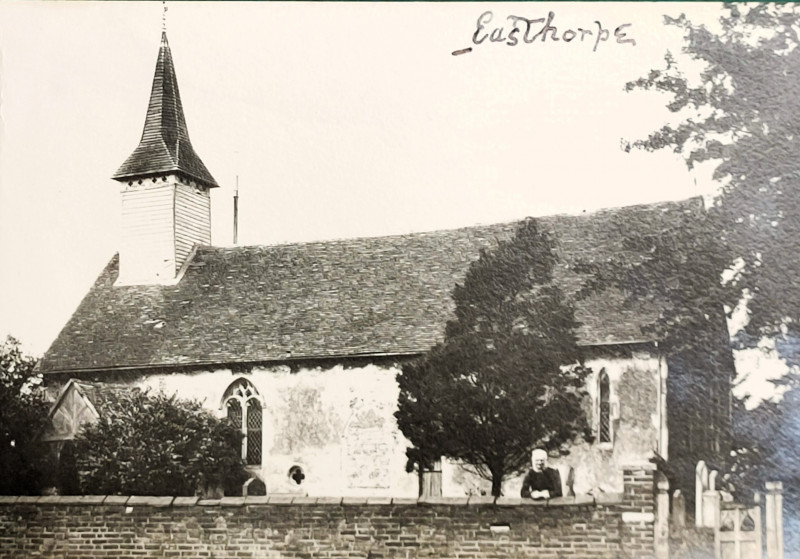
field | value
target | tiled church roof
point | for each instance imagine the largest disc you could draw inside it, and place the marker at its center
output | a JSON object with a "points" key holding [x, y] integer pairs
{"points": [[368, 296], [165, 146]]}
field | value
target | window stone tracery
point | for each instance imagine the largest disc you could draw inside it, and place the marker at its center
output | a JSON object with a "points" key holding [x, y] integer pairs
{"points": [[245, 412]]}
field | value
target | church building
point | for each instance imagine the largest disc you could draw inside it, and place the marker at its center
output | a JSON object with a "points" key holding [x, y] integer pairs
{"points": [[299, 345]]}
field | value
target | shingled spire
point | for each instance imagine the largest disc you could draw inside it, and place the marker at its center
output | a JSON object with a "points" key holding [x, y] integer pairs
{"points": [[166, 207], [165, 146]]}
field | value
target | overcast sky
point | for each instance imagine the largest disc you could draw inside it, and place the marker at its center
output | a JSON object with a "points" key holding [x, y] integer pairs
{"points": [[340, 120]]}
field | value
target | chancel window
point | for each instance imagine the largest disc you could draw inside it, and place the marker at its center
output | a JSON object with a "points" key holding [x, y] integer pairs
{"points": [[604, 409], [244, 411]]}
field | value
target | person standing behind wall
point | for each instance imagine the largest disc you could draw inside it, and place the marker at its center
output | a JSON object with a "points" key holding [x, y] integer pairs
{"points": [[541, 482]]}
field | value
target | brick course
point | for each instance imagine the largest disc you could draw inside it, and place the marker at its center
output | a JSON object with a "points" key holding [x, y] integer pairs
{"points": [[575, 528]]}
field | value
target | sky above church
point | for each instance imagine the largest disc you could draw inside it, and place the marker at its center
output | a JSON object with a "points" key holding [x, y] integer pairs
{"points": [[339, 119]]}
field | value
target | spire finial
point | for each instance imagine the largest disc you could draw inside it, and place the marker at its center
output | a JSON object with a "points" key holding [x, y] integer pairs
{"points": [[164, 16]]}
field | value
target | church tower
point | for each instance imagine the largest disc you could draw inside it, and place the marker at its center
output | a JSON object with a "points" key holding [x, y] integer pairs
{"points": [[166, 206]]}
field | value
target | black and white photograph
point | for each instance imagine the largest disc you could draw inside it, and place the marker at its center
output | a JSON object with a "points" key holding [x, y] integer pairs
{"points": [[399, 280]]}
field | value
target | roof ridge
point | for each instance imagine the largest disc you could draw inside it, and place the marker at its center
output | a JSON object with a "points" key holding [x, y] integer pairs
{"points": [[593, 213], [360, 238]]}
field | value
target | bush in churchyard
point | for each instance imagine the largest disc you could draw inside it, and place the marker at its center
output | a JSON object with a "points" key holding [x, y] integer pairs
{"points": [[153, 444]]}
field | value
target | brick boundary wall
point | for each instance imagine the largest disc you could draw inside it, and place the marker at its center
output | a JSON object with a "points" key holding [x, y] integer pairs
{"points": [[280, 526]]}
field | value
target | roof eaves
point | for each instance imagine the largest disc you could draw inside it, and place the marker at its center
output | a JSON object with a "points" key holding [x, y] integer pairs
{"points": [[225, 363], [293, 358]]}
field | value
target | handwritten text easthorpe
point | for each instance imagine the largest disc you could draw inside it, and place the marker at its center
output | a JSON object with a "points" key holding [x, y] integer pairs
{"points": [[542, 29]]}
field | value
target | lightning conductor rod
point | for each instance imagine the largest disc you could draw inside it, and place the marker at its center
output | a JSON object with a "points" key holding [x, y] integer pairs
{"points": [[236, 212]]}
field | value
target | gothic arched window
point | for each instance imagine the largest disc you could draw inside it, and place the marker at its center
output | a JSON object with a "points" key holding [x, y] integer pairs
{"points": [[604, 408], [244, 411]]}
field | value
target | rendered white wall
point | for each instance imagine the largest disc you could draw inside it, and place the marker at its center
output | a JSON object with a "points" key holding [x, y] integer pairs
{"points": [[337, 424]]}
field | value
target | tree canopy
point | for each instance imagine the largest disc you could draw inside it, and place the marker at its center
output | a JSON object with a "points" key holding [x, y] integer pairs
{"points": [[741, 116], [508, 376], [23, 413], [147, 444]]}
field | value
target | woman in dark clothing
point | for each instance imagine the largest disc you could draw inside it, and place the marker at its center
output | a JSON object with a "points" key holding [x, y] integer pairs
{"points": [[541, 482]]}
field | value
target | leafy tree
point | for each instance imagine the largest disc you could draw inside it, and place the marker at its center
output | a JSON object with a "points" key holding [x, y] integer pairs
{"points": [[23, 413], [507, 377], [147, 444], [768, 437], [741, 117]]}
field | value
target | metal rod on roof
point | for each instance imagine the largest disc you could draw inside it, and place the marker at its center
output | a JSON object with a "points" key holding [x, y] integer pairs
{"points": [[236, 212]]}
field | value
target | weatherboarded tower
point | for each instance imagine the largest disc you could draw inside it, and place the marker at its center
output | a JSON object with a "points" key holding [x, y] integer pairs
{"points": [[166, 206]]}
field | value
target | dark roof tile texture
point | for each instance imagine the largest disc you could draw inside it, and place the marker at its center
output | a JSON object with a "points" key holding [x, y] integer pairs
{"points": [[368, 296], [165, 146]]}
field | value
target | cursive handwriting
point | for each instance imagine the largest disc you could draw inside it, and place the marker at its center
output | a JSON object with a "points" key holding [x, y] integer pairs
{"points": [[541, 29]]}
